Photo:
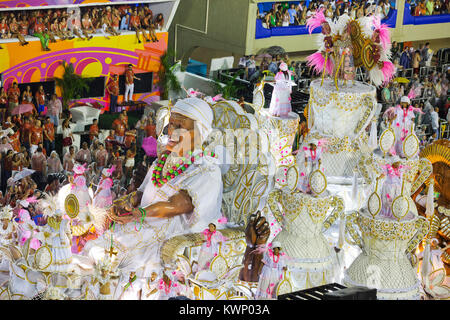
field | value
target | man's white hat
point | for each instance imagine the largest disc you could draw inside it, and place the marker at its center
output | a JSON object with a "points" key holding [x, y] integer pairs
{"points": [[276, 244], [24, 203], [405, 99]]}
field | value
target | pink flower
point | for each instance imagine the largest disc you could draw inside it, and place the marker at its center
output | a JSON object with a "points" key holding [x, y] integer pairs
{"points": [[388, 196], [302, 174]]}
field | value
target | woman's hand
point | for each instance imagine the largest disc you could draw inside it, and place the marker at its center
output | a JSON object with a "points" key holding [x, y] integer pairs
{"points": [[134, 215]]}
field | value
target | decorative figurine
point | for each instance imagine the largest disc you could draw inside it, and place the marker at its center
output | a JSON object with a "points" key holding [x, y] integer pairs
{"points": [[272, 272], [280, 105]]}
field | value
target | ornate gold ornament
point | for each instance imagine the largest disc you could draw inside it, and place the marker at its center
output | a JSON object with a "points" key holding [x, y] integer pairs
{"points": [[72, 206], [318, 182], [374, 202], [43, 258], [387, 140]]}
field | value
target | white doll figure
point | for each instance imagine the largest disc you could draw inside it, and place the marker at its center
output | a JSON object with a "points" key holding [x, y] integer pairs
{"points": [[312, 162], [168, 287], [210, 248], [280, 104], [402, 122], [56, 234], [392, 187], [152, 286], [79, 187], [272, 272], [130, 287], [103, 195], [100, 287], [7, 233], [26, 226]]}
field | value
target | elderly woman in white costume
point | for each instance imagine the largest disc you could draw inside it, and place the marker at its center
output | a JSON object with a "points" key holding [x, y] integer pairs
{"points": [[79, 187], [403, 121], [56, 235], [103, 195], [181, 193], [7, 232], [312, 160], [280, 104], [210, 248], [272, 272], [392, 186]]}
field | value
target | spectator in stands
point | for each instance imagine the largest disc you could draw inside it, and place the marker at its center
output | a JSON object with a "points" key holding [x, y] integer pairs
{"points": [[113, 90], [36, 136], [273, 67], [405, 58], [83, 156], [93, 131], [135, 23], [125, 21], [119, 128], [39, 165], [13, 97], [40, 99], [159, 21], [285, 18], [69, 160], [54, 163], [101, 157], [416, 62], [129, 83], [15, 31], [3, 104], [67, 136], [54, 110], [270, 19], [435, 123], [251, 66], [49, 135], [40, 32]]}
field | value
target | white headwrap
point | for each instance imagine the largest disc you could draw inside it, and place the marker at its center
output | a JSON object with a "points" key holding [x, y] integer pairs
{"points": [[197, 110], [283, 66], [405, 99], [24, 203], [276, 244]]}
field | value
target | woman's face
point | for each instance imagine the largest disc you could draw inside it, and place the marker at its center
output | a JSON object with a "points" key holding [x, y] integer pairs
{"points": [[181, 134], [212, 227], [276, 251]]}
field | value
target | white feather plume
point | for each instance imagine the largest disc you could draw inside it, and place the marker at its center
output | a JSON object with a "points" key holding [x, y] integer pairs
{"points": [[98, 217], [376, 75], [49, 206]]}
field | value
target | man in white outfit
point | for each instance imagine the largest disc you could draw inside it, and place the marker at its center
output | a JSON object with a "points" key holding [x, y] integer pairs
{"points": [[129, 83]]}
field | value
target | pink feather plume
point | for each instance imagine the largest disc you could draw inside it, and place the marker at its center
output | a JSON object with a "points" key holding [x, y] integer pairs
{"points": [[32, 199], [315, 21], [112, 169], [388, 71], [317, 61], [383, 30], [411, 94], [222, 220]]}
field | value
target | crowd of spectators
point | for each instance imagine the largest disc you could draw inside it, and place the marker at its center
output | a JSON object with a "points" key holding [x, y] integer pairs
{"points": [[285, 14], [31, 162], [50, 24], [428, 84], [429, 7]]}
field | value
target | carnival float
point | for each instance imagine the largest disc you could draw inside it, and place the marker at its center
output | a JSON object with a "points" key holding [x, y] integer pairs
{"points": [[229, 212]]}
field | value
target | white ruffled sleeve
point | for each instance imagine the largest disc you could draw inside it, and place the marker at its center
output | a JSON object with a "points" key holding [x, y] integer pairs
{"points": [[205, 189]]}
